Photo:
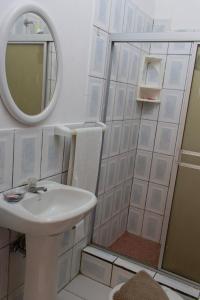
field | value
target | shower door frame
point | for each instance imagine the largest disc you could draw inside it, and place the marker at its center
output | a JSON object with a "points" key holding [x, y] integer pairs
{"points": [[177, 37]]}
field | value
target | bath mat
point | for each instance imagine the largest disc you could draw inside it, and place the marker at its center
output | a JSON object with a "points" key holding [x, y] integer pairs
{"points": [[141, 287]]}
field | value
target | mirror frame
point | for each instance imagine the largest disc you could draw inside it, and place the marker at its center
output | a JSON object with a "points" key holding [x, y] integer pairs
{"points": [[5, 94]]}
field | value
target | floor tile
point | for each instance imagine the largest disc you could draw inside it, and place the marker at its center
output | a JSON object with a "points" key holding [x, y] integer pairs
{"points": [[88, 289], [138, 248], [64, 295]]}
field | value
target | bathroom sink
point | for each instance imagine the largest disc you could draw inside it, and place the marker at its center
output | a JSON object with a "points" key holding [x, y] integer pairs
{"points": [[47, 213], [42, 217]]}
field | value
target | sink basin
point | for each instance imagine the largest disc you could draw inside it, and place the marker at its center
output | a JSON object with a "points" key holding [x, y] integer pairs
{"points": [[42, 217], [47, 213]]}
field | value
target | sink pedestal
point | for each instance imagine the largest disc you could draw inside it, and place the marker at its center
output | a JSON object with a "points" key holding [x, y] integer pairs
{"points": [[41, 268]]}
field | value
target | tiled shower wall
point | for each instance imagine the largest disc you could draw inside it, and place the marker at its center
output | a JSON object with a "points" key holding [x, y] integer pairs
{"points": [[26, 153], [156, 144], [123, 115], [140, 138]]}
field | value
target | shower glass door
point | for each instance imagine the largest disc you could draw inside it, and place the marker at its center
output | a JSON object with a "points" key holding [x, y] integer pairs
{"points": [[182, 251]]}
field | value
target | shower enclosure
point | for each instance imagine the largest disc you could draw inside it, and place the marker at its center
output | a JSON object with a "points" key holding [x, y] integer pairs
{"points": [[148, 186]]}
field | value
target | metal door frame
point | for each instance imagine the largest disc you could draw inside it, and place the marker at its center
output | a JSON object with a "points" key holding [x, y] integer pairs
{"points": [[178, 37]]}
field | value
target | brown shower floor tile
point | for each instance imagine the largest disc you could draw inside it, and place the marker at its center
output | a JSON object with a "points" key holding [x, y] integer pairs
{"points": [[137, 248]]}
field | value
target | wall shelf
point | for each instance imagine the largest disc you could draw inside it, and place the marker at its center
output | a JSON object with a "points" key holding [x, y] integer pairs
{"points": [[151, 79]]}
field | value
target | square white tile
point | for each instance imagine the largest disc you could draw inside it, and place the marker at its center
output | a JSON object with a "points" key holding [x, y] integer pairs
{"points": [[166, 137], [115, 61], [56, 178], [139, 21], [120, 275], [124, 62], [52, 153], [99, 51], [143, 165], [106, 142], [111, 173], [117, 199], [102, 180], [98, 212], [66, 241], [126, 193], [88, 289], [159, 48], [107, 207], [120, 100], [111, 100], [161, 169], [123, 220], [130, 105], [64, 266], [129, 16], [115, 229], [117, 15], [122, 168], [6, 159], [76, 257], [27, 155], [135, 220], [147, 135], [95, 98], [130, 162], [170, 107], [176, 72], [135, 58], [152, 226], [156, 198], [115, 138], [150, 111], [105, 234], [125, 136], [102, 14], [139, 193], [96, 268], [134, 132], [179, 48]]}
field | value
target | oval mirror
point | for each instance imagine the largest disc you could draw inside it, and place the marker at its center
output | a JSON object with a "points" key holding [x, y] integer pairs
{"points": [[31, 64]]}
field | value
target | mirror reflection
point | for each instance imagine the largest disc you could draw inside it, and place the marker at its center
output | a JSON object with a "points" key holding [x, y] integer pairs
{"points": [[31, 64]]}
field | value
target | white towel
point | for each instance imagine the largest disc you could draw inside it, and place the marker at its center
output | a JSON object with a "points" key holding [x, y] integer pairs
{"points": [[87, 156]]}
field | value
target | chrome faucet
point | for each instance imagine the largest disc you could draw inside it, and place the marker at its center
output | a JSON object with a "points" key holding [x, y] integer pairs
{"points": [[32, 186]]}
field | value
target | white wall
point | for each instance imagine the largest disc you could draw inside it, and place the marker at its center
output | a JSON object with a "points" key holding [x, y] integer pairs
{"points": [[148, 6], [184, 14], [73, 20]]}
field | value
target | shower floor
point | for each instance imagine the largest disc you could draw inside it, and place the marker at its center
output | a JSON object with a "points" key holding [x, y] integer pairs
{"points": [[138, 248]]}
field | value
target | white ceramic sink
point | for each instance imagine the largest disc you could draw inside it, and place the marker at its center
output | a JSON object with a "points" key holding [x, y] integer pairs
{"points": [[47, 213], [42, 217]]}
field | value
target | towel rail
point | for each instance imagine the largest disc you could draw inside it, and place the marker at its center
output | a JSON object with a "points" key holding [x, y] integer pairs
{"points": [[70, 131], [66, 131]]}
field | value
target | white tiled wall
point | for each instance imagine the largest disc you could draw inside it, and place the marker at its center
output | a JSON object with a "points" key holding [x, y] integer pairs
{"points": [[156, 144], [36, 152], [123, 113]]}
